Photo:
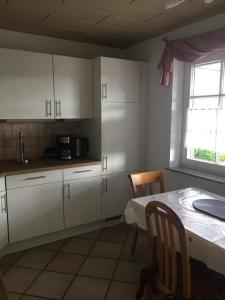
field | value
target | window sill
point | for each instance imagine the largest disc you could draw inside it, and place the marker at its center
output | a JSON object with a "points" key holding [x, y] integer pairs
{"points": [[202, 175]]}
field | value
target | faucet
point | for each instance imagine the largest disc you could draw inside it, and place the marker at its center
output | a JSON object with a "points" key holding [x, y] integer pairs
{"points": [[22, 160]]}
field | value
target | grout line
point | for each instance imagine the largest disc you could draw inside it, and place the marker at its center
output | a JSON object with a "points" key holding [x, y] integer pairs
{"points": [[118, 259], [41, 270], [116, 266], [77, 273]]}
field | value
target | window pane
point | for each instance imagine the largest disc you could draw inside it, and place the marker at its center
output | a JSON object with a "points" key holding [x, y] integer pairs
{"points": [[206, 102], [205, 154], [201, 129], [206, 79], [221, 131]]}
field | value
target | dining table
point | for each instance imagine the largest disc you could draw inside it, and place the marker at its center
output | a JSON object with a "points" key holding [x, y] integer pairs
{"points": [[205, 233]]}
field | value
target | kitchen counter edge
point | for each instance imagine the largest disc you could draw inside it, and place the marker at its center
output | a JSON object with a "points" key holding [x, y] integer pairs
{"points": [[11, 168]]}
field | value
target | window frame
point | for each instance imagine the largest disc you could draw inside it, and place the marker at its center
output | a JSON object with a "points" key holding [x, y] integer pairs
{"points": [[188, 162]]}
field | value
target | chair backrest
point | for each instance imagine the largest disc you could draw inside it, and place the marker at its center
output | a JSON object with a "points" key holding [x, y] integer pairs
{"points": [[165, 229], [142, 183]]}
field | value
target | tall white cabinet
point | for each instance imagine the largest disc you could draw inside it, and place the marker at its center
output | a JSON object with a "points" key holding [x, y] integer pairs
{"points": [[117, 86]]}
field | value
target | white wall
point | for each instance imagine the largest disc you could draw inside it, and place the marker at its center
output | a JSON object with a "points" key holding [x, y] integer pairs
{"points": [[160, 101], [38, 43]]}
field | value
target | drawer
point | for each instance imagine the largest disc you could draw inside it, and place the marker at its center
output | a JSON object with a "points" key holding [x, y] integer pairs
{"points": [[81, 172], [29, 179], [2, 184]]}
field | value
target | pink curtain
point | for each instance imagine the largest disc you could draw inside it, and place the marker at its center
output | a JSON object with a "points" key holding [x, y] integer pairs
{"points": [[189, 50]]}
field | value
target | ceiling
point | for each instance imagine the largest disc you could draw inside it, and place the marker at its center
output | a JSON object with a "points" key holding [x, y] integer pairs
{"points": [[115, 23]]}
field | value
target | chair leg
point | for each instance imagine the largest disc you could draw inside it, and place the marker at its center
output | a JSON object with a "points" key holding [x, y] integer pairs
{"points": [[134, 241], [146, 281]]}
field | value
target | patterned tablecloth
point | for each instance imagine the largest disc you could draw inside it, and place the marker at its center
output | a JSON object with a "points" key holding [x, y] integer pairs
{"points": [[206, 235]]}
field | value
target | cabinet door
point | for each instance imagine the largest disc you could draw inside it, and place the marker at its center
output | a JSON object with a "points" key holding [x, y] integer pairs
{"points": [[82, 201], [3, 221], [120, 137], [35, 210], [26, 85], [116, 191], [73, 87], [121, 80]]}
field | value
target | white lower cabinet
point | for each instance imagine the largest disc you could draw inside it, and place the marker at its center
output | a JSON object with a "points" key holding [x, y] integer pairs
{"points": [[82, 201], [116, 192], [3, 220], [35, 210]]}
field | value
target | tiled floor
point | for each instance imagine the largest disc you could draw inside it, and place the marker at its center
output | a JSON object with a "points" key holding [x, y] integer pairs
{"points": [[96, 266]]}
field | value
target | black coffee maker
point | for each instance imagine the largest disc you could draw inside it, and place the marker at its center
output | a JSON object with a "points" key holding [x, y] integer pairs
{"points": [[64, 144], [79, 147]]}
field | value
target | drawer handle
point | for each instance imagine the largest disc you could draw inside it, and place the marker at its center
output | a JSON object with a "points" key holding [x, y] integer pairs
{"points": [[33, 178], [81, 171]]}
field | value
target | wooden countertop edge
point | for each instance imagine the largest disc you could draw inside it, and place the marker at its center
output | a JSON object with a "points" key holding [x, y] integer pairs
{"points": [[43, 168]]}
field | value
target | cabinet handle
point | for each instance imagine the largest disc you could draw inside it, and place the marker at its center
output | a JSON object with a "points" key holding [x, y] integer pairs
{"points": [[104, 91], [68, 190], [48, 108], [105, 185], [33, 178], [58, 111], [105, 163], [81, 171], [3, 203]]}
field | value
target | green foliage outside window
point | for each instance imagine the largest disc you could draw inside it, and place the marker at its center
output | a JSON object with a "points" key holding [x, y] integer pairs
{"points": [[208, 155]]}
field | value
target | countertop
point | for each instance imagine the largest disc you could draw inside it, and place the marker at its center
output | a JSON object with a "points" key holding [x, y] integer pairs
{"points": [[13, 168]]}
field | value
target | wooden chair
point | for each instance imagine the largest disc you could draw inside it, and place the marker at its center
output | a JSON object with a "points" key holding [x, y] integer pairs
{"points": [[3, 293], [142, 185], [173, 275]]}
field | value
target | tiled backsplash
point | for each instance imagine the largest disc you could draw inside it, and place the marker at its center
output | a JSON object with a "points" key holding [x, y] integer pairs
{"points": [[36, 136]]}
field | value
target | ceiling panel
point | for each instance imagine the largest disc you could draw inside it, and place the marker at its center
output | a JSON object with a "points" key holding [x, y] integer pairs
{"points": [[117, 23], [85, 26]]}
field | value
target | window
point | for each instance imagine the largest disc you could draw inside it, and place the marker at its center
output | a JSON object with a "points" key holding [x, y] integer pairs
{"points": [[204, 142]]}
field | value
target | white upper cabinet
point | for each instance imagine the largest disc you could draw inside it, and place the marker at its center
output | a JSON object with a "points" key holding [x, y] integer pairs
{"points": [[120, 137], [26, 85], [120, 80], [73, 87]]}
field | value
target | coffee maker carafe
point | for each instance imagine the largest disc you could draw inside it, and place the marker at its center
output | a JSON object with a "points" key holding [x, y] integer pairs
{"points": [[64, 147], [80, 147]]}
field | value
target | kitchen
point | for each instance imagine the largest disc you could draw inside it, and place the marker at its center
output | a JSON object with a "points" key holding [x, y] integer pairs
{"points": [[79, 112]]}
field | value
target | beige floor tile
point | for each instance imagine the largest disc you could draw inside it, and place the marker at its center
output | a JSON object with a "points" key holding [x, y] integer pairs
{"points": [[66, 263], [84, 288], [142, 253], [13, 296], [122, 291], [113, 235], [128, 271], [106, 249], [50, 285], [123, 226], [11, 259], [18, 279], [98, 267], [25, 297], [78, 246], [142, 238], [54, 246], [93, 235], [3, 269], [35, 259]]}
